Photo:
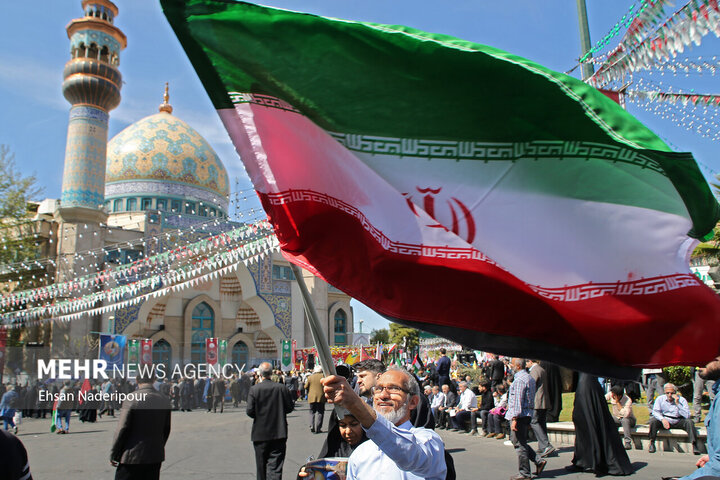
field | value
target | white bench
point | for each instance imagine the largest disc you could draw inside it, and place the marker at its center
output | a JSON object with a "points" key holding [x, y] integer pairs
{"points": [[673, 440]]}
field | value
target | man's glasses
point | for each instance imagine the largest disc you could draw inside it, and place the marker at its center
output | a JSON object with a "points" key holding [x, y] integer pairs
{"points": [[390, 388]]}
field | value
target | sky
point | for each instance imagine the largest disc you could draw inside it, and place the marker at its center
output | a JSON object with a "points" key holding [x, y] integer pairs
{"points": [[35, 47]]}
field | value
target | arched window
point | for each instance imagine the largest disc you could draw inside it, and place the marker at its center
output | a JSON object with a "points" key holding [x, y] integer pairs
{"points": [[81, 50], [240, 354], [104, 54], [162, 352], [340, 327], [131, 204], [203, 326], [93, 51], [117, 205]]}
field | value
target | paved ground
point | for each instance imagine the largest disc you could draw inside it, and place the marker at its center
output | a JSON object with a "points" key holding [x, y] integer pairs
{"points": [[214, 446]]}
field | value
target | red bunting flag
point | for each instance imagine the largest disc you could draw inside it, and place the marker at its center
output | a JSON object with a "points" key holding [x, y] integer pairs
{"points": [[146, 351], [211, 351]]}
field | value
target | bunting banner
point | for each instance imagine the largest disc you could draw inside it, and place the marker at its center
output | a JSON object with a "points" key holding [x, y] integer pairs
{"points": [[300, 359], [211, 351], [538, 220], [112, 350], [286, 358], [641, 50], [133, 347], [146, 355], [222, 352], [182, 267]]}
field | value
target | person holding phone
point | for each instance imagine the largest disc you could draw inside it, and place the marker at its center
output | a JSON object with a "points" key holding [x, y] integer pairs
{"points": [[671, 411]]}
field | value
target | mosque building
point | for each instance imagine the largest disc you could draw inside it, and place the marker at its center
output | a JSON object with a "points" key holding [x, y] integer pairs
{"points": [[134, 196]]}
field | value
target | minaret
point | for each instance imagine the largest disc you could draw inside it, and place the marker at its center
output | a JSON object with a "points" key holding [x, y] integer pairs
{"points": [[92, 85]]}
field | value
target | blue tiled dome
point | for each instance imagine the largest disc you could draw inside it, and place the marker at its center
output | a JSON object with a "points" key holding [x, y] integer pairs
{"points": [[162, 156]]}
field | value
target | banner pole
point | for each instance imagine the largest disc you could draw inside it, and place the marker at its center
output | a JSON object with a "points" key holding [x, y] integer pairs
{"points": [[321, 343]]}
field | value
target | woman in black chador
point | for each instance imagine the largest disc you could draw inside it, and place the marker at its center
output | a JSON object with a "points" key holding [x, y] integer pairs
{"points": [[598, 447]]}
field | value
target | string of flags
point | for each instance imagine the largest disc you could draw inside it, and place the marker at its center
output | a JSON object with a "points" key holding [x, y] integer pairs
{"points": [[174, 279], [636, 52], [98, 254], [161, 261], [637, 18], [683, 98]]}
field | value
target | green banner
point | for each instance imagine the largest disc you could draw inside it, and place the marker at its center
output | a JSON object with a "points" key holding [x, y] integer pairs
{"points": [[286, 355], [133, 352], [222, 352]]}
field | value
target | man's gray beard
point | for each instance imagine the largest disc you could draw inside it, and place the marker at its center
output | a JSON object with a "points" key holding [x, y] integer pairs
{"points": [[394, 416]]}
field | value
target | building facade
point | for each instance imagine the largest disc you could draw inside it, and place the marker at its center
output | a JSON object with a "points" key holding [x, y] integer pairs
{"points": [[156, 184]]}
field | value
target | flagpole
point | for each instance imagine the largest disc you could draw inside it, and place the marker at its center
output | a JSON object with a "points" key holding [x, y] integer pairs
{"points": [[321, 343], [585, 45]]}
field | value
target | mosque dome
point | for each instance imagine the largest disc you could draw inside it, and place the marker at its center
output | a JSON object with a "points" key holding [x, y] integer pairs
{"points": [[161, 162]]}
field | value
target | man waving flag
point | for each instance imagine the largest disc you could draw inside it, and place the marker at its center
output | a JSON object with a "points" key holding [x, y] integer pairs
{"points": [[460, 189]]}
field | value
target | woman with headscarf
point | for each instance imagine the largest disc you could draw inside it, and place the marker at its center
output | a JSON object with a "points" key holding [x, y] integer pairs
{"points": [[341, 441], [598, 447]]}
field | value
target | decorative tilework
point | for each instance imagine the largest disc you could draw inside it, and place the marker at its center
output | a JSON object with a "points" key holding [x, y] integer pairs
{"points": [[163, 147], [183, 191], [84, 171], [265, 274], [93, 36], [89, 113], [126, 315], [280, 304], [281, 287]]}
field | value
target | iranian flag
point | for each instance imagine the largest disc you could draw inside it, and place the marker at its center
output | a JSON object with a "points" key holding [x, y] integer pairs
{"points": [[461, 189]]}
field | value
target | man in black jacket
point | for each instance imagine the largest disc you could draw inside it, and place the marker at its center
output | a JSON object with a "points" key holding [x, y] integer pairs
{"points": [[497, 371], [268, 404], [138, 448], [483, 410], [218, 393]]}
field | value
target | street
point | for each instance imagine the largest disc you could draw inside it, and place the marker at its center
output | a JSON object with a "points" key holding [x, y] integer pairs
{"points": [[217, 446]]}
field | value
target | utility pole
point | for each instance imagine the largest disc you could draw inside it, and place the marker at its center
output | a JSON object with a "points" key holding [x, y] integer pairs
{"points": [[585, 46]]}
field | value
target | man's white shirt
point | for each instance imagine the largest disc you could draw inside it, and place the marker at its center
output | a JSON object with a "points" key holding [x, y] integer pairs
{"points": [[398, 453], [468, 400]]}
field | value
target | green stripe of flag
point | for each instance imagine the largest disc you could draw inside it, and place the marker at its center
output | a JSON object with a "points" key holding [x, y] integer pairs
{"points": [[392, 81]]}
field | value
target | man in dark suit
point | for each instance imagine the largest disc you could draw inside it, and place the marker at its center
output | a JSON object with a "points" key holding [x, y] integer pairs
{"points": [[268, 404], [442, 365], [138, 448], [497, 371], [218, 393]]}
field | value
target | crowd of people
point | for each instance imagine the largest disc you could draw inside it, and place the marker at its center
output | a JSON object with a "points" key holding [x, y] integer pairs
{"points": [[384, 417], [33, 399]]}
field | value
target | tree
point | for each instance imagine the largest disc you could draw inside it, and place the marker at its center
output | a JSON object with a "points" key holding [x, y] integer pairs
{"points": [[17, 230], [711, 247], [381, 335], [18, 242], [400, 333]]}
